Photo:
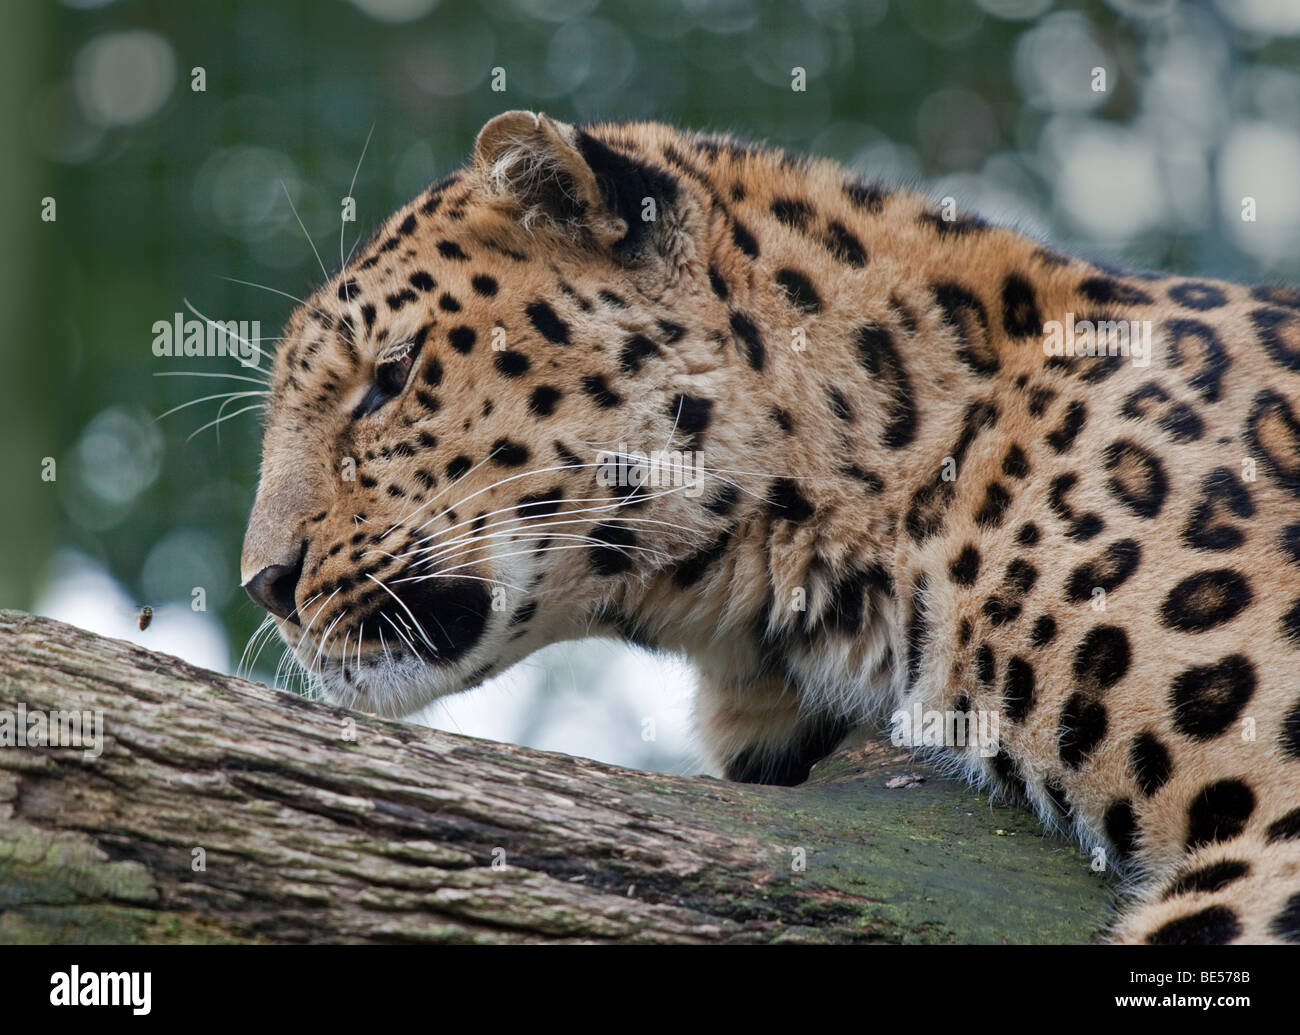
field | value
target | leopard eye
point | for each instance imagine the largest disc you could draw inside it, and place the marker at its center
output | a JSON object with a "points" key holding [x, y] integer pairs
{"points": [[391, 374]]}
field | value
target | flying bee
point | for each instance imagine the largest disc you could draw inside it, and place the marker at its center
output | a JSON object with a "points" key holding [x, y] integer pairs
{"points": [[141, 616], [144, 614]]}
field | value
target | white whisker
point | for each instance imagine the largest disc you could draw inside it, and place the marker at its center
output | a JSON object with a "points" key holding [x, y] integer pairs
{"points": [[208, 373], [351, 187], [213, 323], [207, 398], [229, 416], [324, 272], [418, 626]]}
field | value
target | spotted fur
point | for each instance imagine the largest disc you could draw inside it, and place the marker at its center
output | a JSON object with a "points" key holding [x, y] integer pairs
{"points": [[901, 500]]}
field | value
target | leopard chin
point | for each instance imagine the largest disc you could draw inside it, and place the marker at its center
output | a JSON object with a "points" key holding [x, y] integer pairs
{"points": [[394, 685]]}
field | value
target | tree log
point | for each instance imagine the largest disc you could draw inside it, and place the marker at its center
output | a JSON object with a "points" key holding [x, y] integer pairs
{"points": [[220, 810]]}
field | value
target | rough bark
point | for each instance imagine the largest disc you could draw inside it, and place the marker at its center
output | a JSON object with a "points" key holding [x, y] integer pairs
{"points": [[390, 836]]}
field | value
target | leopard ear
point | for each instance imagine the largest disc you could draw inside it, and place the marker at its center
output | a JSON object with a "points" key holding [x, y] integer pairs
{"points": [[554, 174]]}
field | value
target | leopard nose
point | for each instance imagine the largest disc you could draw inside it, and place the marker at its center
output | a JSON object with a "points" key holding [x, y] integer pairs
{"points": [[274, 588]]}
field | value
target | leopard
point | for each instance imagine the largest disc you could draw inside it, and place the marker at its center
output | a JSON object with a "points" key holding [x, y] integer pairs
{"points": [[853, 453]]}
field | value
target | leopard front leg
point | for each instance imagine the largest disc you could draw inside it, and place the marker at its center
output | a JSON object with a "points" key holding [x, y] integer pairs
{"points": [[755, 730], [1244, 890], [1204, 827]]}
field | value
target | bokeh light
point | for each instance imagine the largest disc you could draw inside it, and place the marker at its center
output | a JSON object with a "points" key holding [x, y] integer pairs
{"points": [[124, 77]]}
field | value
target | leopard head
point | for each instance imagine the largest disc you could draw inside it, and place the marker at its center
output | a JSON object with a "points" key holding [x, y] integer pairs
{"points": [[484, 432]]}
